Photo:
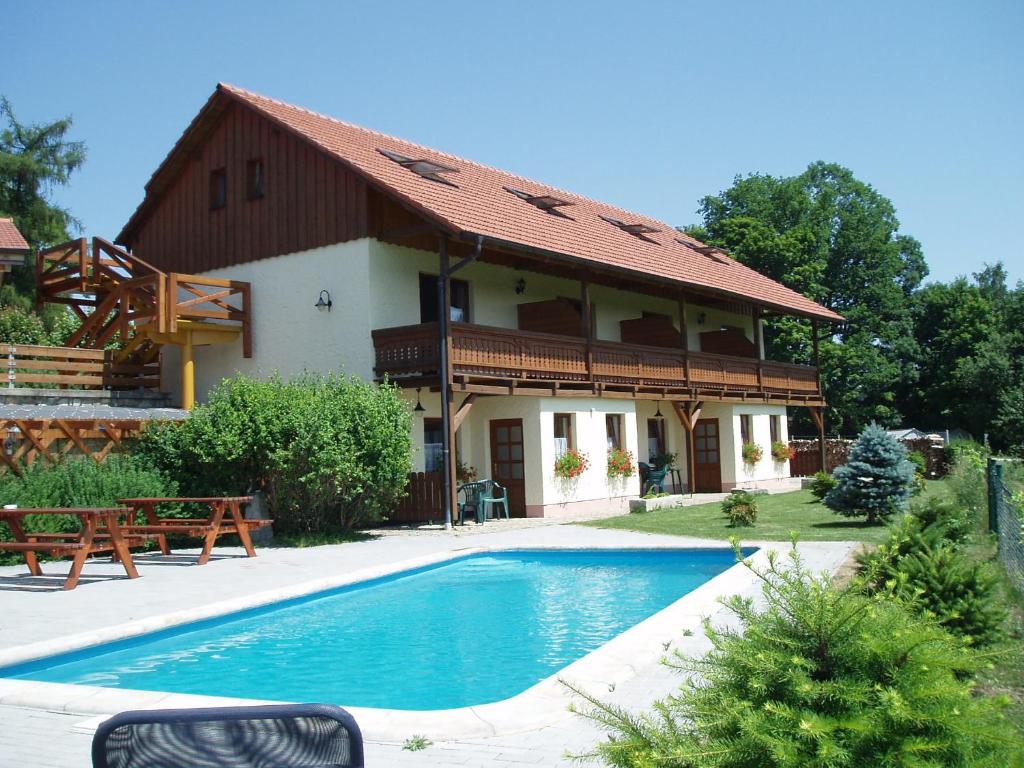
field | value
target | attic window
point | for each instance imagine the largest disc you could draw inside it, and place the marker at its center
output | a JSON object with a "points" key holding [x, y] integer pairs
{"points": [[218, 189], [638, 230], [713, 252], [428, 169], [255, 179], [547, 203]]}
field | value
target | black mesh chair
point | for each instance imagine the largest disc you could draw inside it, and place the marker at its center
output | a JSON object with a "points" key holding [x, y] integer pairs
{"points": [[277, 736]]}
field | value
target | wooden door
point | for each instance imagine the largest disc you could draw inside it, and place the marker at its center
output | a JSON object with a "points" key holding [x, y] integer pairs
{"points": [[507, 465], [707, 457]]}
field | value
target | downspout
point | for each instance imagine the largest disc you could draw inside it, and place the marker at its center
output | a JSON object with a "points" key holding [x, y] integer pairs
{"points": [[443, 321]]}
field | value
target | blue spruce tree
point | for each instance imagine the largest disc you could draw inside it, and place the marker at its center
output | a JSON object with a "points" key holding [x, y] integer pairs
{"points": [[875, 481]]}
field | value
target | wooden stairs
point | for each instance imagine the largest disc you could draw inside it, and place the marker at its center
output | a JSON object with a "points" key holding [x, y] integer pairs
{"points": [[130, 306]]}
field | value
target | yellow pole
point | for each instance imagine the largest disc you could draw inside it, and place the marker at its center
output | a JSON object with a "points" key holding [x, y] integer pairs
{"points": [[188, 374]]}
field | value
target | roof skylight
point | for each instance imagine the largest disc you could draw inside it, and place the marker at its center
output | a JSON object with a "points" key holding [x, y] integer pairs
{"points": [[547, 203], [428, 169], [639, 229]]}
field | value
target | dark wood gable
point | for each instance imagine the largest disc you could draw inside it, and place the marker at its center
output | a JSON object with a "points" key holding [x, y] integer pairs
{"points": [[307, 199]]}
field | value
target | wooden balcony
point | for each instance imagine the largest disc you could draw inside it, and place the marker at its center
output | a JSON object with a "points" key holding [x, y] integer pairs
{"points": [[503, 361]]}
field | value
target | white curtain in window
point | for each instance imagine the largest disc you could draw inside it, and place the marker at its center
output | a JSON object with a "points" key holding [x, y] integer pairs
{"points": [[432, 453], [561, 446]]}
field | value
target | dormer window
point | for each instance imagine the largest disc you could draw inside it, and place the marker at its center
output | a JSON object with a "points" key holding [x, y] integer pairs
{"points": [[255, 179], [428, 169], [713, 252], [218, 189], [638, 229], [546, 203]]}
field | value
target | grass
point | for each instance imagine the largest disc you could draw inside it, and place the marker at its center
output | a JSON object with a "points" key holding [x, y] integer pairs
{"points": [[779, 515]]}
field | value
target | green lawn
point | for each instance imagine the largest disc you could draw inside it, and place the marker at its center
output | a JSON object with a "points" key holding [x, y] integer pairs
{"points": [[778, 515]]}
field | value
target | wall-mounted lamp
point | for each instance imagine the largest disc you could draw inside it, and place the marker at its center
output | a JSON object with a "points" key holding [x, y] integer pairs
{"points": [[324, 303], [520, 287], [419, 406], [701, 318], [657, 413], [11, 441]]}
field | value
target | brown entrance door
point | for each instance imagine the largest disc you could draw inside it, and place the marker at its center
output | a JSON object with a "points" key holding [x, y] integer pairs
{"points": [[507, 465], [707, 476]]}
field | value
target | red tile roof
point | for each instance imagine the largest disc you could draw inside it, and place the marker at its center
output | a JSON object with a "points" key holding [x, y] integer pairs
{"points": [[11, 240], [478, 203]]}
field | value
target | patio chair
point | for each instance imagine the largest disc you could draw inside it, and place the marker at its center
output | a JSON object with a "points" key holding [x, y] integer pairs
{"points": [[481, 495], [276, 736]]}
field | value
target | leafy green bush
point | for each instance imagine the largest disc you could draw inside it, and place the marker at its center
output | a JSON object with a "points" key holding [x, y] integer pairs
{"points": [[876, 480], [79, 482], [818, 677], [966, 479], [923, 565], [944, 519], [741, 508], [328, 451], [821, 484]]}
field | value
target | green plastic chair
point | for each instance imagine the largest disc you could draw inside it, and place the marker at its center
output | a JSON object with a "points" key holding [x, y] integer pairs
{"points": [[483, 494]]}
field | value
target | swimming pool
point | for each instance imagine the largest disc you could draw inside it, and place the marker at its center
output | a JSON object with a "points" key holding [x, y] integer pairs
{"points": [[468, 631]]}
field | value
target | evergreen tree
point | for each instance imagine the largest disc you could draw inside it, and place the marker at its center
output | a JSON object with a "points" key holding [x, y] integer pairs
{"points": [[820, 677], [876, 481]]}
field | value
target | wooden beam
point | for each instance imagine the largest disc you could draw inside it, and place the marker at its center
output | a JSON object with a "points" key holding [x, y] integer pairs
{"points": [[463, 411]]}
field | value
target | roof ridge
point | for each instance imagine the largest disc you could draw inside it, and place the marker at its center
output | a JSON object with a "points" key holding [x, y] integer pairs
{"points": [[457, 158]]}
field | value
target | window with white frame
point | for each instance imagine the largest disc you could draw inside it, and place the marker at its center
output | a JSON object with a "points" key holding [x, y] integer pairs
{"points": [[565, 439], [613, 427]]}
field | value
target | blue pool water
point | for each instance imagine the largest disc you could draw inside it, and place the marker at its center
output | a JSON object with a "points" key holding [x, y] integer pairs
{"points": [[473, 630]]}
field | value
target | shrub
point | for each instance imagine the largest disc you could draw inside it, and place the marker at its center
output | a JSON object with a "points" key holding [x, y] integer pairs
{"points": [[741, 509], [328, 451], [571, 464], [920, 462], [781, 451], [818, 677], [752, 453], [966, 479], [80, 482], [921, 567], [877, 479], [620, 463], [821, 484], [464, 473], [945, 519], [19, 326]]}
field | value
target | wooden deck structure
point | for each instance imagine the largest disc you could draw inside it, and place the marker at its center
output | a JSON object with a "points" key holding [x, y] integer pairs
{"points": [[126, 301], [26, 441]]}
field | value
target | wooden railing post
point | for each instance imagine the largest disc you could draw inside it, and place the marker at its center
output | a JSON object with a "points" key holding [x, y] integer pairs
{"points": [[12, 374]]}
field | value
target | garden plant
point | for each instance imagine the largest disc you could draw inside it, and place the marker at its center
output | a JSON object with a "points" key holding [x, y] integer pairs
{"points": [[876, 481], [740, 507]]}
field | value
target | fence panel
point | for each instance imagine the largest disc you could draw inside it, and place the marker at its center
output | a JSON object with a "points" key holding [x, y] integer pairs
{"points": [[1005, 520], [423, 502]]}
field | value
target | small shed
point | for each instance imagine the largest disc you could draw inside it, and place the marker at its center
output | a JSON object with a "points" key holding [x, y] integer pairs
{"points": [[13, 247]]}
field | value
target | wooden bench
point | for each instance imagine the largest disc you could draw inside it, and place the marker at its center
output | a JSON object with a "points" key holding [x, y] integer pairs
{"points": [[101, 532], [225, 517]]}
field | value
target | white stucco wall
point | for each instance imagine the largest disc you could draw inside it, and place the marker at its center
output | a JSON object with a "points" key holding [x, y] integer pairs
{"points": [[289, 335], [743, 475]]}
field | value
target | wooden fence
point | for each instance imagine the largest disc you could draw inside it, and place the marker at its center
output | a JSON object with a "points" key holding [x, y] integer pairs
{"points": [[807, 459], [26, 441], [423, 502], [69, 367]]}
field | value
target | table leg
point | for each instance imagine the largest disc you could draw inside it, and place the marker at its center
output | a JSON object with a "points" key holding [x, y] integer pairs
{"points": [[243, 529], [30, 557], [88, 533], [150, 511], [215, 522], [120, 546]]}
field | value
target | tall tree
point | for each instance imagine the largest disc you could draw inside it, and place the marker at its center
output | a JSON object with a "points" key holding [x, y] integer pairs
{"points": [[34, 160], [835, 239]]}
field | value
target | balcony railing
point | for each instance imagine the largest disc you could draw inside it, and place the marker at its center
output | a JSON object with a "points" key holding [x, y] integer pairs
{"points": [[481, 353]]}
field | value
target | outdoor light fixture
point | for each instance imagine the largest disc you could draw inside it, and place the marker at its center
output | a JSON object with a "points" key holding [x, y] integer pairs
{"points": [[657, 413], [324, 302], [11, 442], [520, 287], [419, 406], [701, 318]]}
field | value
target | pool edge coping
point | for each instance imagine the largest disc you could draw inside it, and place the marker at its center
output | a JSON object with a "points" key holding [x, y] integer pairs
{"points": [[543, 704]]}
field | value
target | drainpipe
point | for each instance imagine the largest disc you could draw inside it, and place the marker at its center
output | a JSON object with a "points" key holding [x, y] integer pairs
{"points": [[447, 452]]}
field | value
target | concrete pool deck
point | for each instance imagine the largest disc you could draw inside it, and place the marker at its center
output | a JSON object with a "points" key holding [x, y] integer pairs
{"points": [[625, 671]]}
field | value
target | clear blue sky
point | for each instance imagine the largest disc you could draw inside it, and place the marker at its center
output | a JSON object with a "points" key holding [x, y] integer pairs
{"points": [[646, 105]]}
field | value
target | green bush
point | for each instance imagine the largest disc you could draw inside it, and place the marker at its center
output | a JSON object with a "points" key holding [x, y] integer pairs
{"points": [[966, 479], [818, 677], [923, 565], [876, 480], [741, 509], [821, 484], [329, 451], [79, 482], [944, 519]]}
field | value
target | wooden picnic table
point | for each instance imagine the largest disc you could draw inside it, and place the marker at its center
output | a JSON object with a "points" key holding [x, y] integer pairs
{"points": [[101, 531], [225, 517]]}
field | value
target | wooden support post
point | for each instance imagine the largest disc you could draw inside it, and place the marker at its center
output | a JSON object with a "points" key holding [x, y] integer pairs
{"points": [[587, 321], [685, 335], [758, 347], [688, 417], [188, 374], [818, 415]]}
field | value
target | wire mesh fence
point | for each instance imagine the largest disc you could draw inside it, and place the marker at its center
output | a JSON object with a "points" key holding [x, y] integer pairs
{"points": [[1006, 516]]}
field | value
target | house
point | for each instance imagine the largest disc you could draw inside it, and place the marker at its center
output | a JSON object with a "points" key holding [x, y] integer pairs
{"points": [[13, 248], [566, 323]]}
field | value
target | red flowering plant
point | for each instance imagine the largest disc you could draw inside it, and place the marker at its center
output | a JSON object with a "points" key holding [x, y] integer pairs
{"points": [[781, 451], [620, 463], [571, 464]]}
